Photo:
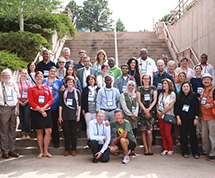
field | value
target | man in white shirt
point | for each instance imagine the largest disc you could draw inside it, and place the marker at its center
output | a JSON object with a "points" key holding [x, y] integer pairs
{"points": [[99, 138], [9, 93], [146, 64], [83, 72]]}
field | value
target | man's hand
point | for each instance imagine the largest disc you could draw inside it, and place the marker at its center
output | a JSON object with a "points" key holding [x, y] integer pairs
{"points": [[98, 155], [107, 123], [208, 106], [115, 141], [105, 138]]}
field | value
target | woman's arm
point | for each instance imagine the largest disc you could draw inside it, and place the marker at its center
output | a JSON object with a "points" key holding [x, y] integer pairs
{"points": [[124, 106], [139, 100]]}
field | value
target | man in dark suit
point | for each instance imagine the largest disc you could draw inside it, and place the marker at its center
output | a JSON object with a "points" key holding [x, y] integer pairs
{"points": [[83, 72]]}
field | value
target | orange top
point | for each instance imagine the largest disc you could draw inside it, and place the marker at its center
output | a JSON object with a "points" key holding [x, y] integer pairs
{"points": [[206, 114]]}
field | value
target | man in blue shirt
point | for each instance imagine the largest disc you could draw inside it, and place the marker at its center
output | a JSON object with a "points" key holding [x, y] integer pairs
{"points": [[45, 64], [99, 138], [108, 99]]}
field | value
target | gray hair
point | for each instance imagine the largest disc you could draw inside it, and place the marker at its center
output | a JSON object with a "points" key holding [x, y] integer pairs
{"points": [[100, 111], [164, 55], [144, 49], [66, 49], [8, 71], [64, 60], [171, 62]]}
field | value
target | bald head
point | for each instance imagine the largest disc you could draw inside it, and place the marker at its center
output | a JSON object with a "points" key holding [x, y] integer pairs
{"points": [[160, 65]]}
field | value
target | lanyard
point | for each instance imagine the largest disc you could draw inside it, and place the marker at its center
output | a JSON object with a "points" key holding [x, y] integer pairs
{"points": [[131, 72], [208, 93], [5, 90], [141, 64], [98, 129], [22, 87], [106, 94], [39, 91]]}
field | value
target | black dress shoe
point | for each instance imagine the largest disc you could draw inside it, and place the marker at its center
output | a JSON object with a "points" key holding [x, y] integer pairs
{"points": [[95, 160], [5, 156], [56, 145], [13, 154]]}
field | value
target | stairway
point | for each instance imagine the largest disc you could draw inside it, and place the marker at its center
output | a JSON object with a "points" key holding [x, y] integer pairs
{"points": [[129, 45]]}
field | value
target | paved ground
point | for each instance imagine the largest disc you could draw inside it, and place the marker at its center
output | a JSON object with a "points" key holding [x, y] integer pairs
{"points": [[80, 166]]}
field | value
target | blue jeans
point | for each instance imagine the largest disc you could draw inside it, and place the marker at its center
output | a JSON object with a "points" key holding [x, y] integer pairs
{"points": [[24, 116]]}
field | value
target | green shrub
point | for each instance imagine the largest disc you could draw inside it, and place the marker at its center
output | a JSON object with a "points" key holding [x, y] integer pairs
{"points": [[25, 44], [12, 61]]}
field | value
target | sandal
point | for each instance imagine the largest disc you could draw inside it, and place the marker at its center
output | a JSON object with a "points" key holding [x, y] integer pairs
{"points": [[185, 155], [196, 156], [48, 155], [39, 156]]}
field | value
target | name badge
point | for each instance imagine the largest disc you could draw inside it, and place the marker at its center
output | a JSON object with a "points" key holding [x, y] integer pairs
{"points": [[24, 95], [186, 108], [10, 98], [203, 100], [46, 73], [147, 97], [110, 103], [133, 109], [160, 107], [199, 89], [69, 102], [123, 88], [160, 86], [41, 99], [91, 98], [143, 71], [99, 71]]}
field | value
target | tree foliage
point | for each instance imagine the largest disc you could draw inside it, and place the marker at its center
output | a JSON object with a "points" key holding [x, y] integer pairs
{"points": [[12, 61], [74, 9], [120, 26], [95, 15], [25, 44], [21, 10]]}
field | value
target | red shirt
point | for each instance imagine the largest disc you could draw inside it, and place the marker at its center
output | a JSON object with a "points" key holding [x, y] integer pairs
{"points": [[33, 96]]}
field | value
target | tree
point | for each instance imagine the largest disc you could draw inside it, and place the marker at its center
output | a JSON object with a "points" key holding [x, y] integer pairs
{"points": [[74, 9], [22, 10], [95, 16], [120, 26]]}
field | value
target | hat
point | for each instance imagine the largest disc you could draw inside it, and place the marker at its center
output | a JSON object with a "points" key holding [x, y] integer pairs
{"points": [[207, 75]]}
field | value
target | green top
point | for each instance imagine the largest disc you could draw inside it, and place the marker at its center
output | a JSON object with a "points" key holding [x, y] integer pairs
{"points": [[116, 71], [125, 126]]}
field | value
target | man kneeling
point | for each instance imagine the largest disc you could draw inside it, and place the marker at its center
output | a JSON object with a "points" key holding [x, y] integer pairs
{"points": [[99, 138], [125, 141]]}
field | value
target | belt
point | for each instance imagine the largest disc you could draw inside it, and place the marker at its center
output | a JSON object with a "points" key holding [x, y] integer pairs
{"points": [[108, 110]]}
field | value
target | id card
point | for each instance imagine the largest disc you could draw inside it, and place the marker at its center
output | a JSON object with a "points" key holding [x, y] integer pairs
{"points": [[203, 100], [147, 97], [69, 102], [110, 103], [186, 108], [133, 109], [46, 73], [199, 89], [41, 99], [159, 86], [91, 98], [10, 98], [160, 107], [123, 88], [24, 95]]}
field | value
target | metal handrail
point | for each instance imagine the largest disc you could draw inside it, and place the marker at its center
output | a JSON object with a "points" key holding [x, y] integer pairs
{"points": [[173, 48], [171, 19]]}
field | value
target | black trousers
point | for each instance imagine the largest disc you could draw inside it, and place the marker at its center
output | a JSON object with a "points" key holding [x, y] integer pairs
{"points": [[55, 131], [187, 128], [95, 147], [70, 134]]}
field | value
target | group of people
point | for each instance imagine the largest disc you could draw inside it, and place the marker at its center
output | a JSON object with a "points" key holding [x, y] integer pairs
{"points": [[115, 103]]}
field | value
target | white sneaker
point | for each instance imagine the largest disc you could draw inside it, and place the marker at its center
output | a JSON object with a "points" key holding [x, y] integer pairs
{"points": [[126, 160], [170, 153], [164, 152]]}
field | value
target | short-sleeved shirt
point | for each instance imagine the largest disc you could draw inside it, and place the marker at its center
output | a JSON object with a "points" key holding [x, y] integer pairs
{"points": [[44, 68], [125, 126], [166, 101], [54, 87]]}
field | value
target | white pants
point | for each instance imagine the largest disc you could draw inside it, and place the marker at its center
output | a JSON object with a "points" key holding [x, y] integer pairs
{"points": [[88, 117]]}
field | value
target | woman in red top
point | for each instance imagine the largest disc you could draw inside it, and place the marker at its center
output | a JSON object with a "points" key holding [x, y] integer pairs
{"points": [[40, 100]]}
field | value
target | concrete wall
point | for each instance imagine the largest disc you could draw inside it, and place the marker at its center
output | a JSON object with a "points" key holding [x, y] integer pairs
{"points": [[196, 29]]}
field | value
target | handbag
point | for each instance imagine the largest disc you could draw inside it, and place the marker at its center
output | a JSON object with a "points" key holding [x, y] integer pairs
{"points": [[169, 119]]}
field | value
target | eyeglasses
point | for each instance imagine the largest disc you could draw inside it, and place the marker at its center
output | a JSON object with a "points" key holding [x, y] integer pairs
{"points": [[60, 62]]}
